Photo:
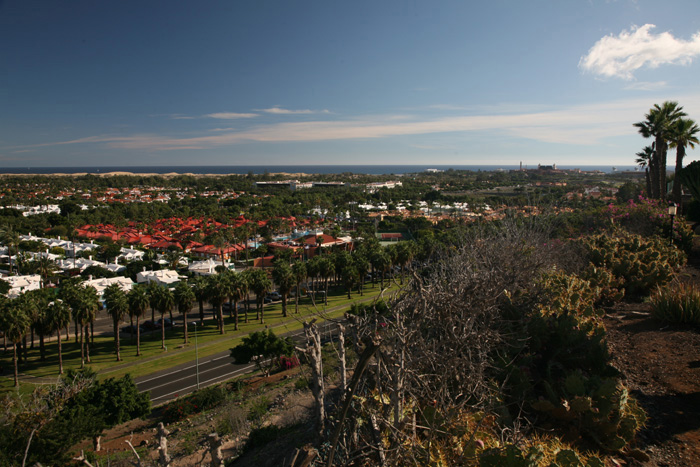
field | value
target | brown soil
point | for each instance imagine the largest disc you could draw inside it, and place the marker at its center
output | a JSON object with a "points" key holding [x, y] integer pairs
{"points": [[660, 364]]}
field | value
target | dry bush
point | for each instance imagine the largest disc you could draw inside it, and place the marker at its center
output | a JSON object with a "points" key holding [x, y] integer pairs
{"points": [[439, 339]]}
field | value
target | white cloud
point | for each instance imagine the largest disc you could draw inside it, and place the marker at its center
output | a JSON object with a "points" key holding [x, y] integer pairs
{"points": [[577, 125], [277, 110], [646, 86], [620, 56], [230, 115]]}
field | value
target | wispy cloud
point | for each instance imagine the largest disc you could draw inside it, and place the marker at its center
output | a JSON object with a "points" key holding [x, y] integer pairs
{"points": [[646, 86], [620, 56], [277, 110], [230, 115], [577, 125]]}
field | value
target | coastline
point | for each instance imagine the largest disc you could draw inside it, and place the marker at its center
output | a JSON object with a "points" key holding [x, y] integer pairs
{"points": [[146, 174]]}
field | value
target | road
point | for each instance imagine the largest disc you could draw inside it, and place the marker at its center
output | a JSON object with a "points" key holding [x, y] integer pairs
{"points": [[180, 380]]}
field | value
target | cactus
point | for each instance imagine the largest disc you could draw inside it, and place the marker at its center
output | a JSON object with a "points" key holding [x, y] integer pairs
{"points": [[638, 264]]}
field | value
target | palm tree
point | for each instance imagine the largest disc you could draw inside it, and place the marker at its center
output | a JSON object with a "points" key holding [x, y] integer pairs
{"points": [[173, 258], [164, 301], [16, 323], [199, 287], [643, 160], [326, 270], [117, 306], [217, 293], [299, 271], [58, 317], [658, 124], [237, 290], [138, 304], [45, 267], [87, 305], [260, 284], [152, 288], [683, 133], [285, 280], [184, 298]]}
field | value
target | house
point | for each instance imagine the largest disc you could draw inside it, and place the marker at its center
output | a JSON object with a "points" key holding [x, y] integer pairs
{"points": [[101, 284], [204, 268], [19, 284], [166, 277]]}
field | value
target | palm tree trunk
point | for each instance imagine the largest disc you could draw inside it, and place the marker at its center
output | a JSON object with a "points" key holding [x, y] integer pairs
{"points": [[138, 337], [201, 312], [82, 348], [14, 361], [60, 354], [42, 349], [116, 338], [235, 315], [184, 317], [162, 331], [87, 344], [262, 311], [680, 154], [221, 318]]}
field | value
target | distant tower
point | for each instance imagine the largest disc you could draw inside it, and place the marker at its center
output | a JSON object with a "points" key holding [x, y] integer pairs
{"points": [[521, 166]]}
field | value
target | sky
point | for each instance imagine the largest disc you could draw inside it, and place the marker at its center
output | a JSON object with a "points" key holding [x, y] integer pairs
{"points": [[169, 82]]}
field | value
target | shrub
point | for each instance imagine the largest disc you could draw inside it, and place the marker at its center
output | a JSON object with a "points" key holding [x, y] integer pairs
{"points": [[198, 401], [649, 217], [258, 409], [680, 304]]}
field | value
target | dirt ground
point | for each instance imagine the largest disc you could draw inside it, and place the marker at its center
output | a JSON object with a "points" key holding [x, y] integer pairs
{"points": [[660, 363]]}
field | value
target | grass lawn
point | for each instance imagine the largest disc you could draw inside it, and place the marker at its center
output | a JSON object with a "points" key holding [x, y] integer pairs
{"points": [[153, 358]]}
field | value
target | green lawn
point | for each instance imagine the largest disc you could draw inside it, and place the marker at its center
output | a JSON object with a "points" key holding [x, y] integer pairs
{"points": [[153, 358]]}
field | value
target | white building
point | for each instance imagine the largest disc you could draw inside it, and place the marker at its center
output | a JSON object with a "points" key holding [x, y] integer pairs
{"points": [[19, 284], [164, 277], [101, 284]]}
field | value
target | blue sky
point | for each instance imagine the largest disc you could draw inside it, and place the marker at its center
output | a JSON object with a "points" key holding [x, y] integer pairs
{"points": [[86, 83]]}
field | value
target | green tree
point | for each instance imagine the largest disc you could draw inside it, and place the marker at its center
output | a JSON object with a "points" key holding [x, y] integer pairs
{"points": [[299, 271], [683, 133], [263, 348], [138, 304], [199, 287], [184, 298], [643, 160], [284, 277], [15, 324], [658, 124], [117, 306], [260, 284], [218, 287], [165, 301], [58, 316]]}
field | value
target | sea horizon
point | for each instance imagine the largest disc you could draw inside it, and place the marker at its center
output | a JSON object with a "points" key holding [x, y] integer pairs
{"points": [[294, 169]]}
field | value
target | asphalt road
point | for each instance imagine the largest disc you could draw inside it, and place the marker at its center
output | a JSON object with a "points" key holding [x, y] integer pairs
{"points": [[178, 381]]}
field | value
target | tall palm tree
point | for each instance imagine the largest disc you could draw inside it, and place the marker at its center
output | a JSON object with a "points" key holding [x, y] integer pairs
{"points": [[45, 267], [260, 284], [238, 289], [326, 270], [16, 323], [164, 301], [217, 293], [658, 124], [138, 304], [88, 304], [284, 277], [643, 160], [184, 299], [59, 316], [683, 133], [117, 306], [199, 287], [299, 271]]}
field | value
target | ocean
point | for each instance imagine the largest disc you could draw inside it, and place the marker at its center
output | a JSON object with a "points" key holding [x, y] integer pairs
{"points": [[308, 169]]}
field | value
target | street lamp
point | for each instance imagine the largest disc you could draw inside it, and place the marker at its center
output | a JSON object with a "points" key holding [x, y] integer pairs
{"points": [[672, 210], [196, 353]]}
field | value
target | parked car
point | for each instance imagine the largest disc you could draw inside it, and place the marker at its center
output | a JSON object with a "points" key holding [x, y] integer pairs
{"points": [[168, 323], [149, 325], [130, 329], [275, 296]]}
